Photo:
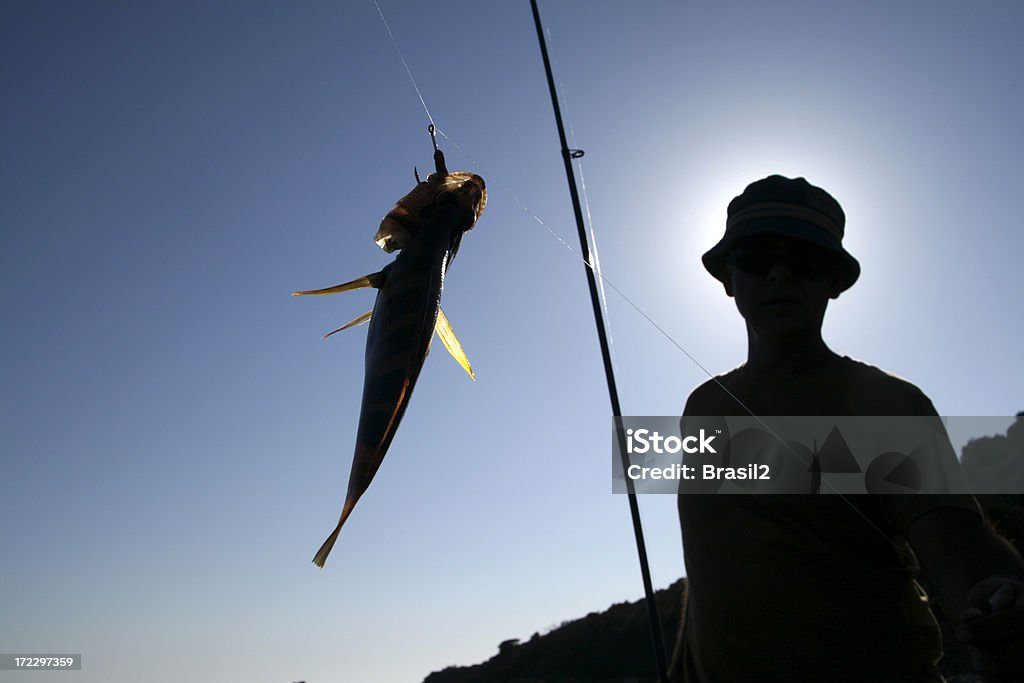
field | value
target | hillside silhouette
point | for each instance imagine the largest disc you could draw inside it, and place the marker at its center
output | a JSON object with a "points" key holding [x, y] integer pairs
{"points": [[615, 645]]}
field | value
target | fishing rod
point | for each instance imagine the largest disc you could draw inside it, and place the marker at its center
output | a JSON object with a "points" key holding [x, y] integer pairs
{"points": [[567, 156]]}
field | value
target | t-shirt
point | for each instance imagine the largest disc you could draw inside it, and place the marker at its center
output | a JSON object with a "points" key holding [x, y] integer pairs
{"points": [[809, 588]]}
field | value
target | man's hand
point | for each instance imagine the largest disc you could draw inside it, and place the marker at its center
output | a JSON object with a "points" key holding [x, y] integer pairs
{"points": [[994, 622]]}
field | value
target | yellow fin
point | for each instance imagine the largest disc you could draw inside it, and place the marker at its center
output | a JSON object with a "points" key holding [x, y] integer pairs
{"points": [[371, 280], [358, 321], [451, 342]]}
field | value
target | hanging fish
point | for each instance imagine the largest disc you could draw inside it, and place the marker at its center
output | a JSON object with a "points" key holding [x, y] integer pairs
{"points": [[426, 225]]}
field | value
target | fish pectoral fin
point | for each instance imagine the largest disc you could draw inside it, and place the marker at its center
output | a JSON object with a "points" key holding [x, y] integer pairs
{"points": [[365, 317], [451, 342], [372, 280]]}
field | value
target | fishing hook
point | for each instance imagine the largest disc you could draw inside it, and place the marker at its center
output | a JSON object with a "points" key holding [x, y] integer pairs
{"points": [[439, 164]]}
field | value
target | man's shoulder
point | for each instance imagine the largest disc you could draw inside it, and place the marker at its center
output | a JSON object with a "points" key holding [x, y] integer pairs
{"points": [[714, 397], [887, 393], [866, 372]]}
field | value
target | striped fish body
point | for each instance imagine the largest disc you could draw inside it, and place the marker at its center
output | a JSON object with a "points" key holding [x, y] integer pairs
{"points": [[404, 317]]}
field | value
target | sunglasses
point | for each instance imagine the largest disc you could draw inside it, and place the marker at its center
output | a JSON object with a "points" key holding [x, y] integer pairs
{"points": [[758, 255]]}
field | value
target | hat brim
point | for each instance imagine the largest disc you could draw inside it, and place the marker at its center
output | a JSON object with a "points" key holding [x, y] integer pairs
{"points": [[715, 259]]}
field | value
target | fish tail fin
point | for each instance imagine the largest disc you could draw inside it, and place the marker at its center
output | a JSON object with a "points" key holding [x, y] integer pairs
{"points": [[371, 280], [325, 549], [321, 555]]}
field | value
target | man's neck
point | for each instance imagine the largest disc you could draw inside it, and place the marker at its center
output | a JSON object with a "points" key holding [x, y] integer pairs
{"points": [[769, 357]]}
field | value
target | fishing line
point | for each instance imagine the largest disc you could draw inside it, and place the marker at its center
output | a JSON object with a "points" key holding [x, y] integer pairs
{"points": [[595, 268], [512, 195], [603, 280], [825, 480], [404, 63]]}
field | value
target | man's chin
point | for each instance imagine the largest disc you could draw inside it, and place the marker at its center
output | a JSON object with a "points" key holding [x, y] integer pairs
{"points": [[784, 323]]}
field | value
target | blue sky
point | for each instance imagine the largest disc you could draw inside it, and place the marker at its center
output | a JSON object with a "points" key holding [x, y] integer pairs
{"points": [[176, 437]]}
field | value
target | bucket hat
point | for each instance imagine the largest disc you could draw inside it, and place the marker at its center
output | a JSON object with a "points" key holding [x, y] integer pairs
{"points": [[788, 207]]}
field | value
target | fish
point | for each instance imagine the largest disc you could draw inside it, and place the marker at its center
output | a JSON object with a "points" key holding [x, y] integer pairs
{"points": [[426, 228]]}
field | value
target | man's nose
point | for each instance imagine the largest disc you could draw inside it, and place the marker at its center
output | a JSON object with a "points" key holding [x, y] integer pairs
{"points": [[780, 270]]}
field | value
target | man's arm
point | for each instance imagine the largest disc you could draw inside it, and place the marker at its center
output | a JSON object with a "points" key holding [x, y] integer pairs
{"points": [[981, 580], [704, 400], [957, 550]]}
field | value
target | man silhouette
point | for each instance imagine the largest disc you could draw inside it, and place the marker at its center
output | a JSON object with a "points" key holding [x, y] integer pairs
{"points": [[821, 588]]}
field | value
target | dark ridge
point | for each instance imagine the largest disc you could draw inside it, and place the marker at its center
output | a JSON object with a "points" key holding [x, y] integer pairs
{"points": [[613, 646]]}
